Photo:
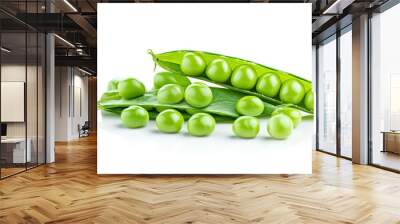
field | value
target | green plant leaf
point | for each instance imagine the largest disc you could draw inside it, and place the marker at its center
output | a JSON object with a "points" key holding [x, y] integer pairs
{"points": [[170, 61]]}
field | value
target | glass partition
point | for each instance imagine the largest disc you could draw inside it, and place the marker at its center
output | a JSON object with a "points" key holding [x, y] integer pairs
{"points": [[14, 145], [22, 101], [385, 89], [327, 96], [346, 93]]}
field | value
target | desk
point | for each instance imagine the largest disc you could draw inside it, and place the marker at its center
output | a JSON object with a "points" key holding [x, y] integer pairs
{"points": [[13, 150], [391, 141]]}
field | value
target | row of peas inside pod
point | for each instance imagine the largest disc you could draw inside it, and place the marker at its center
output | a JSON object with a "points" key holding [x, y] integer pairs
{"points": [[245, 77], [173, 89], [269, 84]]}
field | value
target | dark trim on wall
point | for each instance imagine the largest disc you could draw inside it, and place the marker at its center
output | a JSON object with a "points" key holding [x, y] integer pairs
{"points": [[369, 96], [316, 96], [386, 6], [338, 98]]}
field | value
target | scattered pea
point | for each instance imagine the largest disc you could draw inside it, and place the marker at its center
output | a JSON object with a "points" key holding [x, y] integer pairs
{"points": [[280, 126], [201, 124], [134, 117], [250, 106], [198, 95], [246, 127], [293, 113], [169, 121]]}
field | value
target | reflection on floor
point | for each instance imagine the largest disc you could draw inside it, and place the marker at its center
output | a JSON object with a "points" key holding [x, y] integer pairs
{"points": [[8, 170], [70, 191], [386, 159]]}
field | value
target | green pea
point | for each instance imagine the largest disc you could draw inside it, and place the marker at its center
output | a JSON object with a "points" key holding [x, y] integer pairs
{"points": [[193, 64], [280, 126], [170, 94], [309, 100], [292, 91], [244, 77], [201, 124], [218, 70], [134, 117], [112, 85], [131, 88], [294, 114], [163, 78], [269, 85], [250, 106], [246, 127], [169, 121], [198, 95]]}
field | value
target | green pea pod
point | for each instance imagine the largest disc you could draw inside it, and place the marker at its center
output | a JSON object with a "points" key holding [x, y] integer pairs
{"points": [[223, 104], [170, 61]]}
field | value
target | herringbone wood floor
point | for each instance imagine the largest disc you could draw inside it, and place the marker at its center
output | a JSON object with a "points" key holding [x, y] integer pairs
{"points": [[69, 191]]}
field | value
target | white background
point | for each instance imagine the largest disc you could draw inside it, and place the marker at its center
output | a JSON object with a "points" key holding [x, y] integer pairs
{"points": [[277, 35]]}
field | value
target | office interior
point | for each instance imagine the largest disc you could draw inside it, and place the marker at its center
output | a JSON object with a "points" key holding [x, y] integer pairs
{"points": [[61, 57], [48, 96]]}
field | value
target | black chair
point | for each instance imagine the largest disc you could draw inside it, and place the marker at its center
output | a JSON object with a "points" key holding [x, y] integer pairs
{"points": [[84, 129]]}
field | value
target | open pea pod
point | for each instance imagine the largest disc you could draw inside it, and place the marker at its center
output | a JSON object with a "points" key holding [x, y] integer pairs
{"points": [[171, 60], [223, 104]]}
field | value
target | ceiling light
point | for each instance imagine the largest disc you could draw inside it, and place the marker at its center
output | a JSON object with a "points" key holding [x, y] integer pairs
{"points": [[5, 50], [84, 71], [70, 5], [64, 40]]}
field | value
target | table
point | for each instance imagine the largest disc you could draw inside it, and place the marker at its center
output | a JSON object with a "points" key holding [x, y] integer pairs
{"points": [[16, 147], [391, 141]]}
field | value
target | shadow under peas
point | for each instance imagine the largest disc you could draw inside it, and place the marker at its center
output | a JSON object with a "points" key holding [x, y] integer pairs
{"points": [[234, 137]]}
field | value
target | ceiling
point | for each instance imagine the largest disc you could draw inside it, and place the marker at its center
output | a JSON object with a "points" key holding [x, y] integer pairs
{"points": [[76, 22]]}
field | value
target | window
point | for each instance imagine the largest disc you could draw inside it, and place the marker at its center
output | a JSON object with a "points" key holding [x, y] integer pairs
{"points": [[327, 96], [385, 89]]}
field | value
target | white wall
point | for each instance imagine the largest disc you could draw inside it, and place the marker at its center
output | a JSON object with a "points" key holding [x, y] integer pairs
{"points": [[70, 109]]}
